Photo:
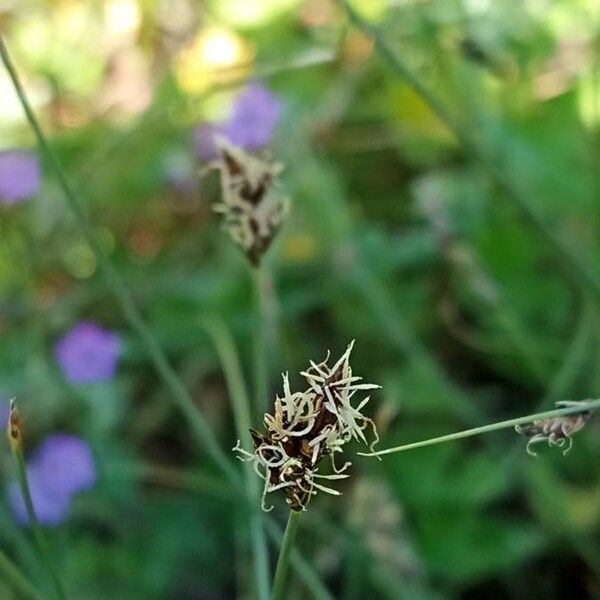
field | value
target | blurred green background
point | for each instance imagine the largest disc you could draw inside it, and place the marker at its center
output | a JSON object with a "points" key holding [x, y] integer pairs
{"points": [[438, 253]]}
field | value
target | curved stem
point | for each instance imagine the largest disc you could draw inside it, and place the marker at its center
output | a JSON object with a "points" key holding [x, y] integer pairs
{"points": [[132, 314], [40, 540], [283, 561], [15, 579], [259, 333], [587, 405]]}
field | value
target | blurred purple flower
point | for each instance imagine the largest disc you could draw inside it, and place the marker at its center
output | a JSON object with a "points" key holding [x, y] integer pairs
{"points": [[19, 175], [50, 507], [88, 353], [253, 118], [67, 463], [61, 466]]}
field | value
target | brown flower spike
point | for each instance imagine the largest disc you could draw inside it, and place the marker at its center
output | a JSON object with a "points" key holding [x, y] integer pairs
{"points": [[307, 426], [252, 208], [14, 429]]}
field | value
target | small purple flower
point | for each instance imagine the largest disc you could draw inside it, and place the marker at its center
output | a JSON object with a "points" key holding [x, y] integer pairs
{"points": [[61, 466], [253, 118], [251, 124], [19, 175], [88, 353], [67, 462], [50, 507]]}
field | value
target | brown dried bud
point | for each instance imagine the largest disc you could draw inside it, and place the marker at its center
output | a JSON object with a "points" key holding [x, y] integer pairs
{"points": [[557, 431], [14, 427]]}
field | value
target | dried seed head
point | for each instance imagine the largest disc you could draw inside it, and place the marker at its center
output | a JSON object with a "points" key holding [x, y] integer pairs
{"points": [[252, 209], [14, 429], [306, 426], [557, 431]]}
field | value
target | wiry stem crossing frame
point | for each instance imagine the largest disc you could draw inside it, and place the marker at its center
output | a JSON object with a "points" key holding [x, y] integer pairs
{"points": [[584, 406]]}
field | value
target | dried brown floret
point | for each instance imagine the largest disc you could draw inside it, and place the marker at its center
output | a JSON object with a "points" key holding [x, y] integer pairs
{"points": [[14, 427], [557, 431]]}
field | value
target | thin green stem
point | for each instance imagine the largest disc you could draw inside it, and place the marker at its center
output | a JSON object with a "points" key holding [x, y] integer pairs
{"points": [[303, 569], [132, 314], [243, 422], [40, 540], [283, 562], [259, 333], [16, 580], [585, 276], [587, 405]]}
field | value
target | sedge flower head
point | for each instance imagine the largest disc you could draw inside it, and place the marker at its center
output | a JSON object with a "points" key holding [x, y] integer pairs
{"points": [[253, 208], [307, 426]]}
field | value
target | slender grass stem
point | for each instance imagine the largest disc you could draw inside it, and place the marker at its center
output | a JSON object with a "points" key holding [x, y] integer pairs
{"points": [[259, 333], [588, 405], [132, 314], [283, 562], [243, 422], [11, 574], [303, 569], [40, 540], [585, 276]]}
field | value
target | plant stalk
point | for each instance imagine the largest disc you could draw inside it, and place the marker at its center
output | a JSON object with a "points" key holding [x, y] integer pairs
{"points": [[259, 334], [587, 405], [40, 540], [283, 562]]}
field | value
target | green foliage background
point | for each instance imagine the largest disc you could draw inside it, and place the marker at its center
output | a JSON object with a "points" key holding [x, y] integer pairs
{"points": [[423, 250]]}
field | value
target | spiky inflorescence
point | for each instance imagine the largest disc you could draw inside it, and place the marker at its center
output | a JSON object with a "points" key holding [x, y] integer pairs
{"points": [[306, 426], [557, 431], [252, 209]]}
